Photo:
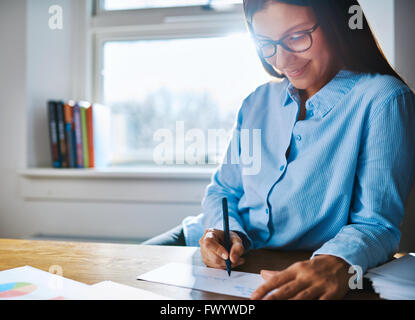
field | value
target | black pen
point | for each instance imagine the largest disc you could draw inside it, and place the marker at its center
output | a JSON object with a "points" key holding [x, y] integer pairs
{"points": [[227, 235]]}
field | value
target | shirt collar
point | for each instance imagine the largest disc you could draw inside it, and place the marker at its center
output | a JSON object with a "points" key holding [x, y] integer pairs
{"points": [[328, 96]]}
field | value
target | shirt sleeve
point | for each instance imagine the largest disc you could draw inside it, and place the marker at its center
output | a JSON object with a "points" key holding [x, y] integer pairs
{"points": [[383, 181], [226, 182]]}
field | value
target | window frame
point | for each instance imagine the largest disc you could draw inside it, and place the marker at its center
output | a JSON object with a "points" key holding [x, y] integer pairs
{"points": [[159, 24], [155, 24], [99, 8]]}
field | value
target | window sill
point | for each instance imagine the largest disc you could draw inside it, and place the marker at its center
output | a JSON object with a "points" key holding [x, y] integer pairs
{"points": [[146, 172], [139, 184]]}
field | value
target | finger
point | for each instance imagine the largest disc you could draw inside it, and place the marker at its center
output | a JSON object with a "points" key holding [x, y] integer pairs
{"points": [[309, 293], [217, 262], [237, 249], [211, 244], [208, 244], [331, 295], [240, 262], [212, 260], [287, 291], [266, 274], [272, 283]]}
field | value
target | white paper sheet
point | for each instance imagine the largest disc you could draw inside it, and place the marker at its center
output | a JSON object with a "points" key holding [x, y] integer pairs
{"points": [[402, 269], [108, 290], [395, 280], [28, 283], [239, 284]]}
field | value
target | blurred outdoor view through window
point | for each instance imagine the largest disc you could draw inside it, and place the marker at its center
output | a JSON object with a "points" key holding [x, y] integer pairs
{"points": [[198, 83]]}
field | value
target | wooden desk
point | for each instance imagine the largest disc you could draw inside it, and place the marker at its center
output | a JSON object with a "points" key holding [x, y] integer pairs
{"points": [[95, 262]]}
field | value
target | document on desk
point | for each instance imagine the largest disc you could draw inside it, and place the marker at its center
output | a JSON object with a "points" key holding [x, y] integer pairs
{"points": [[394, 280], [28, 283], [109, 290], [239, 284]]}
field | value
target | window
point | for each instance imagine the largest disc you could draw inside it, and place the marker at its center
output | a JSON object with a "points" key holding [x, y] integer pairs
{"points": [[187, 79]]}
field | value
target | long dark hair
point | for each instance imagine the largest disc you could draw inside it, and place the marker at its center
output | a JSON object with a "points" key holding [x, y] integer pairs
{"points": [[356, 49]]}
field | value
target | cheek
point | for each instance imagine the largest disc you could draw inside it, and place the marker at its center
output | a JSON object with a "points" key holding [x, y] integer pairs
{"points": [[320, 53], [279, 62]]}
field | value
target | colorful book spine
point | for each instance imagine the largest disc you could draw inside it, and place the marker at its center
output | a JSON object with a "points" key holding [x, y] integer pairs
{"points": [[85, 148], [75, 153], [61, 134], [70, 134], [78, 136], [90, 128], [53, 134]]}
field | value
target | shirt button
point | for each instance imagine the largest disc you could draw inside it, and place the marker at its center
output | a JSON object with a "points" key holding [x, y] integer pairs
{"points": [[298, 138], [266, 211], [282, 167]]}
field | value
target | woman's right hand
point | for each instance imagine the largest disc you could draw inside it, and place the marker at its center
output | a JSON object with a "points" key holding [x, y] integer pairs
{"points": [[214, 253]]}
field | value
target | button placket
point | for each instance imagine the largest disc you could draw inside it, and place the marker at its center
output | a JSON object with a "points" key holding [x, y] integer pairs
{"points": [[310, 109]]}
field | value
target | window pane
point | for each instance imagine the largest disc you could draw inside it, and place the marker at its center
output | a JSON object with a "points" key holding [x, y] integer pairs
{"points": [[176, 85], [141, 4]]}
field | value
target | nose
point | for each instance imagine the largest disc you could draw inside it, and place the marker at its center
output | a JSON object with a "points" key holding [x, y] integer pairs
{"points": [[281, 59]]}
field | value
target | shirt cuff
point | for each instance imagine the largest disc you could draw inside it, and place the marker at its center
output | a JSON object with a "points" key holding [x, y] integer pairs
{"points": [[246, 242], [355, 258]]}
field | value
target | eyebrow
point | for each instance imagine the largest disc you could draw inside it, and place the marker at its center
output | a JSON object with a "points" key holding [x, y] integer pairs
{"points": [[285, 33]]}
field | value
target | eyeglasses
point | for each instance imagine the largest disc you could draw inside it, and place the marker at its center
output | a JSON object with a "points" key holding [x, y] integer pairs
{"points": [[295, 42]]}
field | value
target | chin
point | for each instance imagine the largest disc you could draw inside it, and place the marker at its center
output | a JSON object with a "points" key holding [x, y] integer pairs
{"points": [[301, 84]]}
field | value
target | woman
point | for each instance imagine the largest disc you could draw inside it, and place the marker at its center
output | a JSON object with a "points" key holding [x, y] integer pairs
{"points": [[337, 154]]}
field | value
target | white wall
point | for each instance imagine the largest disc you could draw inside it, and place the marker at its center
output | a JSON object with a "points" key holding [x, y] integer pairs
{"points": [[13, 111], [381, 18], [49, 74]]}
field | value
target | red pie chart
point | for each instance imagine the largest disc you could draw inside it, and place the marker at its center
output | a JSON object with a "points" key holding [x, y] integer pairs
{"points": [[16, 289]]}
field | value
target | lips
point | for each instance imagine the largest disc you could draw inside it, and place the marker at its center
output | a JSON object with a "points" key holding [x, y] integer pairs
{"points": [[296, 72]]}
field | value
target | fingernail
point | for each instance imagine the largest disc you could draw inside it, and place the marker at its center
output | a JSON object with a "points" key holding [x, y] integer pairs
{"points": [[224, 256]]}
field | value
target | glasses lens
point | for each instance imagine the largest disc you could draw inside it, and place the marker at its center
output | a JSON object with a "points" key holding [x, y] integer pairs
{"points": [[267, 50], [298, 42]]}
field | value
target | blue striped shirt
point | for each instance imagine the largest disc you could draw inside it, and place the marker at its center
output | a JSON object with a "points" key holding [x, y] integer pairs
{"points": [[344, 185]]}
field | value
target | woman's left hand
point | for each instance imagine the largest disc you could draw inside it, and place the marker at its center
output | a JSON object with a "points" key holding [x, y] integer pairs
{"points": [[323, 277]]}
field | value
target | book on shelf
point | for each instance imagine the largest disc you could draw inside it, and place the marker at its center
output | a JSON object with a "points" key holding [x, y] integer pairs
{"points": [[53, 134], [84, 132], [78, 136], [79, 133], [90, 129], [61, 134], [70, 133]]}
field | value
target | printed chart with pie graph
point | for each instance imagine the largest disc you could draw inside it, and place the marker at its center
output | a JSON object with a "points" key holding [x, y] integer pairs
{"points": [[16, 289]]}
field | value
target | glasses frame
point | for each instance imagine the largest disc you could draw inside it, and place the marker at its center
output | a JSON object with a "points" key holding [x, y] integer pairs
{"points": [[280, 42]]}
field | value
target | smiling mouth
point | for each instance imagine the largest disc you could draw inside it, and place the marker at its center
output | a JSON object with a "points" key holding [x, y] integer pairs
{"points": [[296, 72]]}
